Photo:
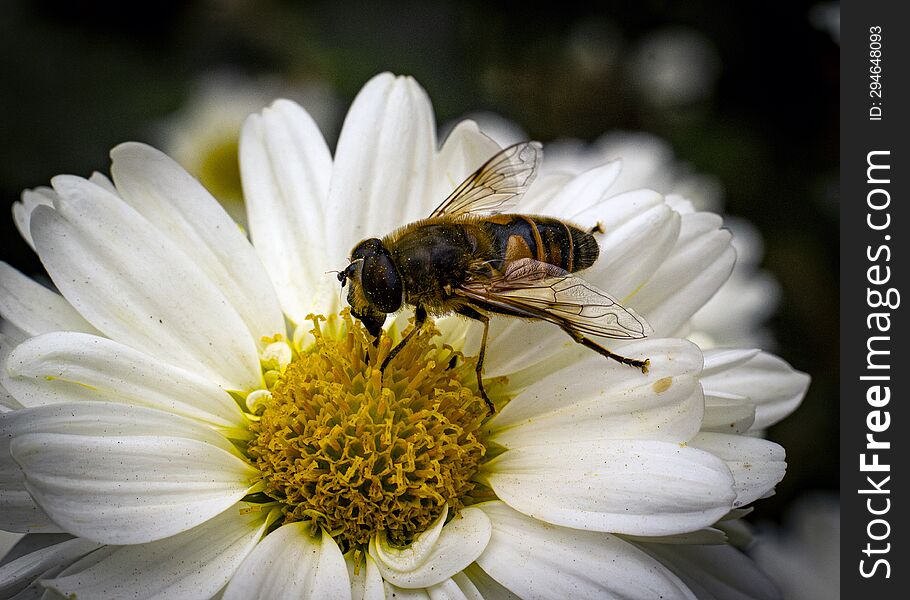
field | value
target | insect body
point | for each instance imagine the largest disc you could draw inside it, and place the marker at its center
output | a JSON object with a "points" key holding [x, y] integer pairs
{"points": [[472, 259]]}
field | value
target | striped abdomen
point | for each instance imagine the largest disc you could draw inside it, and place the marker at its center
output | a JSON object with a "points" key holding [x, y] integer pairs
{"points": [[542, 238]]}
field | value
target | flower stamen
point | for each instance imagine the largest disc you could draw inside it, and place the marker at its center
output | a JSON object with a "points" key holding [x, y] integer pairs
{"points": [[357, 451]]}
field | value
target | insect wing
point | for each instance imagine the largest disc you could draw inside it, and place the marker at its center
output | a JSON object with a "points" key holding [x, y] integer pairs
{"points": [[497, 185], [539, 290]]}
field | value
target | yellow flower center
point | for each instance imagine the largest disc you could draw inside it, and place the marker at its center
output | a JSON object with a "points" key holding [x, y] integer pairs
{"points": [[357, 451], [219, 170]]}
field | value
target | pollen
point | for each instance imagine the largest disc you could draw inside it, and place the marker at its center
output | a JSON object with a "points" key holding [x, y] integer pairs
{"points": [[358, 452]]}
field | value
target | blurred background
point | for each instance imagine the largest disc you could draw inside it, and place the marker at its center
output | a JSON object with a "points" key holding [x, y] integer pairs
{"points": [[741, 98]]}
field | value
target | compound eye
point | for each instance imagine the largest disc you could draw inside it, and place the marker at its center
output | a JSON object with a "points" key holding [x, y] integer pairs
{"points": [[381, 283]]}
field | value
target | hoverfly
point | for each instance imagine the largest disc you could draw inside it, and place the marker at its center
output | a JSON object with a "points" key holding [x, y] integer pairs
{"points": [[471, 258]]}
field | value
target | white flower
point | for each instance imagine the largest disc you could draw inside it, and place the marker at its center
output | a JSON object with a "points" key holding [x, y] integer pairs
{"points": [[152, 411], [803, 556], [202, 135]]}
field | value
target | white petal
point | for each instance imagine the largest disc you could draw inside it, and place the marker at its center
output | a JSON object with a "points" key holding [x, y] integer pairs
{"points": [[7, 401], [596, 398], [728, 413], [536, 560], [773, 386], [121, 474], [18, 510], [462, 153], [715, 572], [290, 564], [397, 593], [138, 288], [35, 309], [22, 211], [581, 192], [621, 486], [489, 588], [70, 367], [707, 535], [182, 210], [102, 181], [384, 155], [757, 465], [458, 587], [17, 574], [697, 266], [736, 313], [632, 250], [543, 189], [286, 168], [366, 583], [8, 539], [458, 544], [515, 345], [195, 563]]}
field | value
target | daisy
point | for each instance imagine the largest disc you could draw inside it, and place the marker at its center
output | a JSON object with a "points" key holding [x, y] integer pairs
{"points": [[202, 135], [200, 417]]}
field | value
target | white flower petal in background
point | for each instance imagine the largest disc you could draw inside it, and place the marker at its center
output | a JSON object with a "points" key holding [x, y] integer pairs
{"points": [[33, 308], [8, 539], [736, 315], [22, 210], [757, 465], [583, 191], [169, 308], [768, 383], [183, 211], [202, 135], [195, 563], [18, 510], [803, 554], [69, 367], [640, 232], [286, 168], [489, 588], [717, 572], [121, 474], [674, 67], [465, 148], [19, 573], [459, 587], [427, 562], [619, 486], [700, 262], [366, 581], [290, 564], [536, 560]]}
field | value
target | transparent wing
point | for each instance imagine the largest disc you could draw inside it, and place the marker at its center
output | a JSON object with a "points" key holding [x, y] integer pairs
{"points": [[497, 185], [538, 290]]}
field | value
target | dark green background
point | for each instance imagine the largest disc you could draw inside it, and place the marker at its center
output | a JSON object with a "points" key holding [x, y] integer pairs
{"points": [[76, 78]]}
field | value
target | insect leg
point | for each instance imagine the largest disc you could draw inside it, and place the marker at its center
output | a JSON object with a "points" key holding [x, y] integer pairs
{"points": [[632, 362], [420, 317], [467, 311]]}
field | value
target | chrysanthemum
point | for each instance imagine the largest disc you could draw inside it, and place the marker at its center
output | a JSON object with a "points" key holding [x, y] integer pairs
{"points": [[196, 413], [202, 135]]}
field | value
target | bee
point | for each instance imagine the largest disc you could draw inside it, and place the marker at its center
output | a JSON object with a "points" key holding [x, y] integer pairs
{"points": [[472, 258]]}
